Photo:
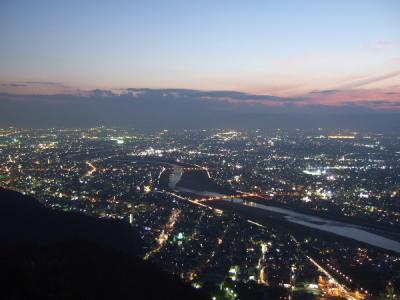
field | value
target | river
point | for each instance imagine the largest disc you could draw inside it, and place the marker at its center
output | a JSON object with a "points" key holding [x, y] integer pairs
{"points": [[354, 232]]}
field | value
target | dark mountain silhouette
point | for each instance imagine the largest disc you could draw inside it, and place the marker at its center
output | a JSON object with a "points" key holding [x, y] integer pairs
{"points": [[46, 254], [27, 220]]}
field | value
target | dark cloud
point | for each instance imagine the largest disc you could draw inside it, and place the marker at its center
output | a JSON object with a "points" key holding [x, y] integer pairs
{"points": [[175, 108], [358, 83], [326, 92], [45, 83], [102, 93], [372, 103], [228, 95], [14, 84], [362, 82], [35, 84]]}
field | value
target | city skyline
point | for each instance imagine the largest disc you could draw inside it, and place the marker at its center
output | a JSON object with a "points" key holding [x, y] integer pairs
{"points": [[237, 214]]}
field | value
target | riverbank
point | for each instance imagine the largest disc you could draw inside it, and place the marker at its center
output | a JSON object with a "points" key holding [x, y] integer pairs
{"points": [[277, 220]]}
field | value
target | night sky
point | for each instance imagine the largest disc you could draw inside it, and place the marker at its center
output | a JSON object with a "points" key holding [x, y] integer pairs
{"points": [[86, 63]]}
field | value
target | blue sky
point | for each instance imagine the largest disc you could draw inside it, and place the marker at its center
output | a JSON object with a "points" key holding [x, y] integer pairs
{"points": [[281, 48]]}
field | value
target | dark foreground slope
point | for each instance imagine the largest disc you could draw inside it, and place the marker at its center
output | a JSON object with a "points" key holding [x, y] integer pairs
{"points": [[24, 219], [53, 255], [198, 180], [79, 270]]}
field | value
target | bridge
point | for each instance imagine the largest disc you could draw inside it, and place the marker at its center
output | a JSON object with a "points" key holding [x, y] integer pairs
{"points": [[234, 196]]}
